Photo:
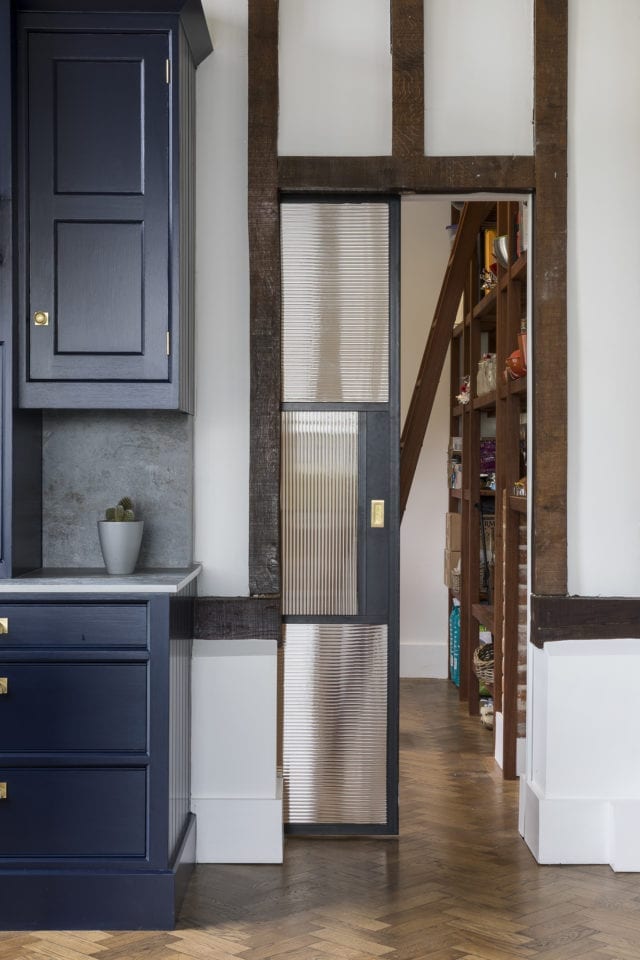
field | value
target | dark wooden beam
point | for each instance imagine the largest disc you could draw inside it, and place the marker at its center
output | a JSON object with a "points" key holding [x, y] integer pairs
{"points": [[417, 175], [407, 41], [264, 265], [549, 548], [584, 618], [238, 618], [417, 421]]}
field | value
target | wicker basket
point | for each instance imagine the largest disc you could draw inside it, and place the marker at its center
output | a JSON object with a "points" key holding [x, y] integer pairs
{"points": [[454, 581], [483, 663]]}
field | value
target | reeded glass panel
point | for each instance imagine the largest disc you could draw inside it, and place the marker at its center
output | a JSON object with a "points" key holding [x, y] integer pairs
{"points": [[335, 302], [335, 723], [319, 512], [334, 65], [478, 77]]}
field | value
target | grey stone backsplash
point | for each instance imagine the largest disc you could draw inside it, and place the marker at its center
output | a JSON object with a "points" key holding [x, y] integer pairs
{"points": [[90, 459]]}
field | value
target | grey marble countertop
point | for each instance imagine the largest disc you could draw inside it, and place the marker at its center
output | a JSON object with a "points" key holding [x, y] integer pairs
{"points": [[71, 580]]}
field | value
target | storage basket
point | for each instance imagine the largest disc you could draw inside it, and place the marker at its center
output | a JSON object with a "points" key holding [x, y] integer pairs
{"points": [[454, 581], [483, 663]]}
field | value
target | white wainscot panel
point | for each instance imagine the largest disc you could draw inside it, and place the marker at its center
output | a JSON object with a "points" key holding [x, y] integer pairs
{"points": [[580, 800], [236, 789], [335, 78], [478, 77]]}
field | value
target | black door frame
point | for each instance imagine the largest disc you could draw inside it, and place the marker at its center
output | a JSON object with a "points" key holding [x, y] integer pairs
{"points": [[391, 826]]}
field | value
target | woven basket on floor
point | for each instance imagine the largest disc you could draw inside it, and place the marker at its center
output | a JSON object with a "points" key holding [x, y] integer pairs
{"points": [[483, 663]]}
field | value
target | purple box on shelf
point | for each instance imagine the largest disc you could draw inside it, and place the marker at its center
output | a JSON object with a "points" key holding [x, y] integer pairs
{"points": [[488, 455]]}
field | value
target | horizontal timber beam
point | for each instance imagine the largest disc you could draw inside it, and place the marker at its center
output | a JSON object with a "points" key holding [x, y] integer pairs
{"points": [[238, 618], [417, 175], [583, 618]]}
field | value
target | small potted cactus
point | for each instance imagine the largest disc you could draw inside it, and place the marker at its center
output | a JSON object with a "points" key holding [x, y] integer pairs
{"points": [[120, 537]]}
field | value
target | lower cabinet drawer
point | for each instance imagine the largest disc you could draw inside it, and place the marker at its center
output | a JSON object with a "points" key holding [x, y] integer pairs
{"points": [[63, 707], [73, 624], [61, 812]]}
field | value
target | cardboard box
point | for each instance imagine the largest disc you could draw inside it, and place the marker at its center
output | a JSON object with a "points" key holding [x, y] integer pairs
{"points": [[451, 562], [454, 531]]}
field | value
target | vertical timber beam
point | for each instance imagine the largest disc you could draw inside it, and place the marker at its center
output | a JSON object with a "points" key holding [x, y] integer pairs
{"points": [[549, 558], [264, 264], [407, 45]]}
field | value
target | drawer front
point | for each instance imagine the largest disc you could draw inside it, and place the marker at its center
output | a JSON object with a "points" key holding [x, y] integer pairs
{"points": [[62, 812], [73, 624], [73, 706]]}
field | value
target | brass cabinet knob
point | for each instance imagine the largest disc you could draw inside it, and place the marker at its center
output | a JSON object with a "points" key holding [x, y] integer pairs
{"points": [[4, 625], [4, 685], [41, 318], [3, 790]]}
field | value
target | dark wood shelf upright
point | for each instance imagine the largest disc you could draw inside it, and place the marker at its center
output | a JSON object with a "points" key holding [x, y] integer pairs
{"points": [[492, 324]]}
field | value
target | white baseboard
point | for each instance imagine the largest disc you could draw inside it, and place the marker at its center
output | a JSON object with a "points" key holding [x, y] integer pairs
{"points": [[498, 727], [498, 753], [428, 660], [239, 829], [625, 837], [580, 830]]}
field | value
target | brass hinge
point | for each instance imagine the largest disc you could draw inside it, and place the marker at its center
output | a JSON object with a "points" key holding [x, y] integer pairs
{"points": [[168, 344], [168, 70]]}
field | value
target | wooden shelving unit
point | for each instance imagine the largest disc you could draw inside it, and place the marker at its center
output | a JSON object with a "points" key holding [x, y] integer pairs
{"points": [[491, 324]]}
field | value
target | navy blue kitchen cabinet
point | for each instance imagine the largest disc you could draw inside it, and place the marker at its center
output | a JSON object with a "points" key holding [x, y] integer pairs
{"points": [[95, 828], [105, 156]]}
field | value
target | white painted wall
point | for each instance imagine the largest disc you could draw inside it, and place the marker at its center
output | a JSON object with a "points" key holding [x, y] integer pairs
{"points": [[603, 296], [335, 78], [423, 596], [222, 307], [580, 799], [604, 344], [478, 77]]}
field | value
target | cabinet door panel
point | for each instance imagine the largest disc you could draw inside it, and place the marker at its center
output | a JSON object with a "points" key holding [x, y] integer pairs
{"points": [[62, 812], [99, 111], [98, 195], [63, 707], [111, 254]]}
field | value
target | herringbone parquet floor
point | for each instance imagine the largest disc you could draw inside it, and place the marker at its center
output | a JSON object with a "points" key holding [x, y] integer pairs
{"points": [[458, 885]]}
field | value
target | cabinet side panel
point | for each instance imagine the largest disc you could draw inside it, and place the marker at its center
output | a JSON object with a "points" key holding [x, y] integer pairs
{"points": [[181, 633], [187, 180], [26, 533]]}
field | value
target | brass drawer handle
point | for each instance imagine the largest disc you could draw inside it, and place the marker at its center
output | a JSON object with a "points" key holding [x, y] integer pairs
{"points": [[4, 625], [4, 685], [3, 791], [41, 318]]}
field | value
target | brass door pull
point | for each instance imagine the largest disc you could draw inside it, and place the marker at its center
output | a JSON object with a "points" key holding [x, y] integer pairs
{"points": [[4, 685], [41, 318], [4, 625], [3, 790], [377, 513]]}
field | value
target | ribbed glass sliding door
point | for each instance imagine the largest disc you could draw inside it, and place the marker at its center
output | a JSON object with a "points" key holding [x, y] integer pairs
{"points": [[340, 451]]}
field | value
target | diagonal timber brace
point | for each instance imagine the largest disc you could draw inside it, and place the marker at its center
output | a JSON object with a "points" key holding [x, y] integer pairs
{"points": [[415, 427]]}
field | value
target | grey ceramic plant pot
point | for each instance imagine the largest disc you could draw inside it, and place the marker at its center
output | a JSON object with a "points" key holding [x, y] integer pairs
{"points": [[120, 544]]}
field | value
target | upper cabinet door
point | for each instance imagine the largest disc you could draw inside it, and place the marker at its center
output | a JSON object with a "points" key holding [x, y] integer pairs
{"points": [[96, 162], [98, 196]]}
